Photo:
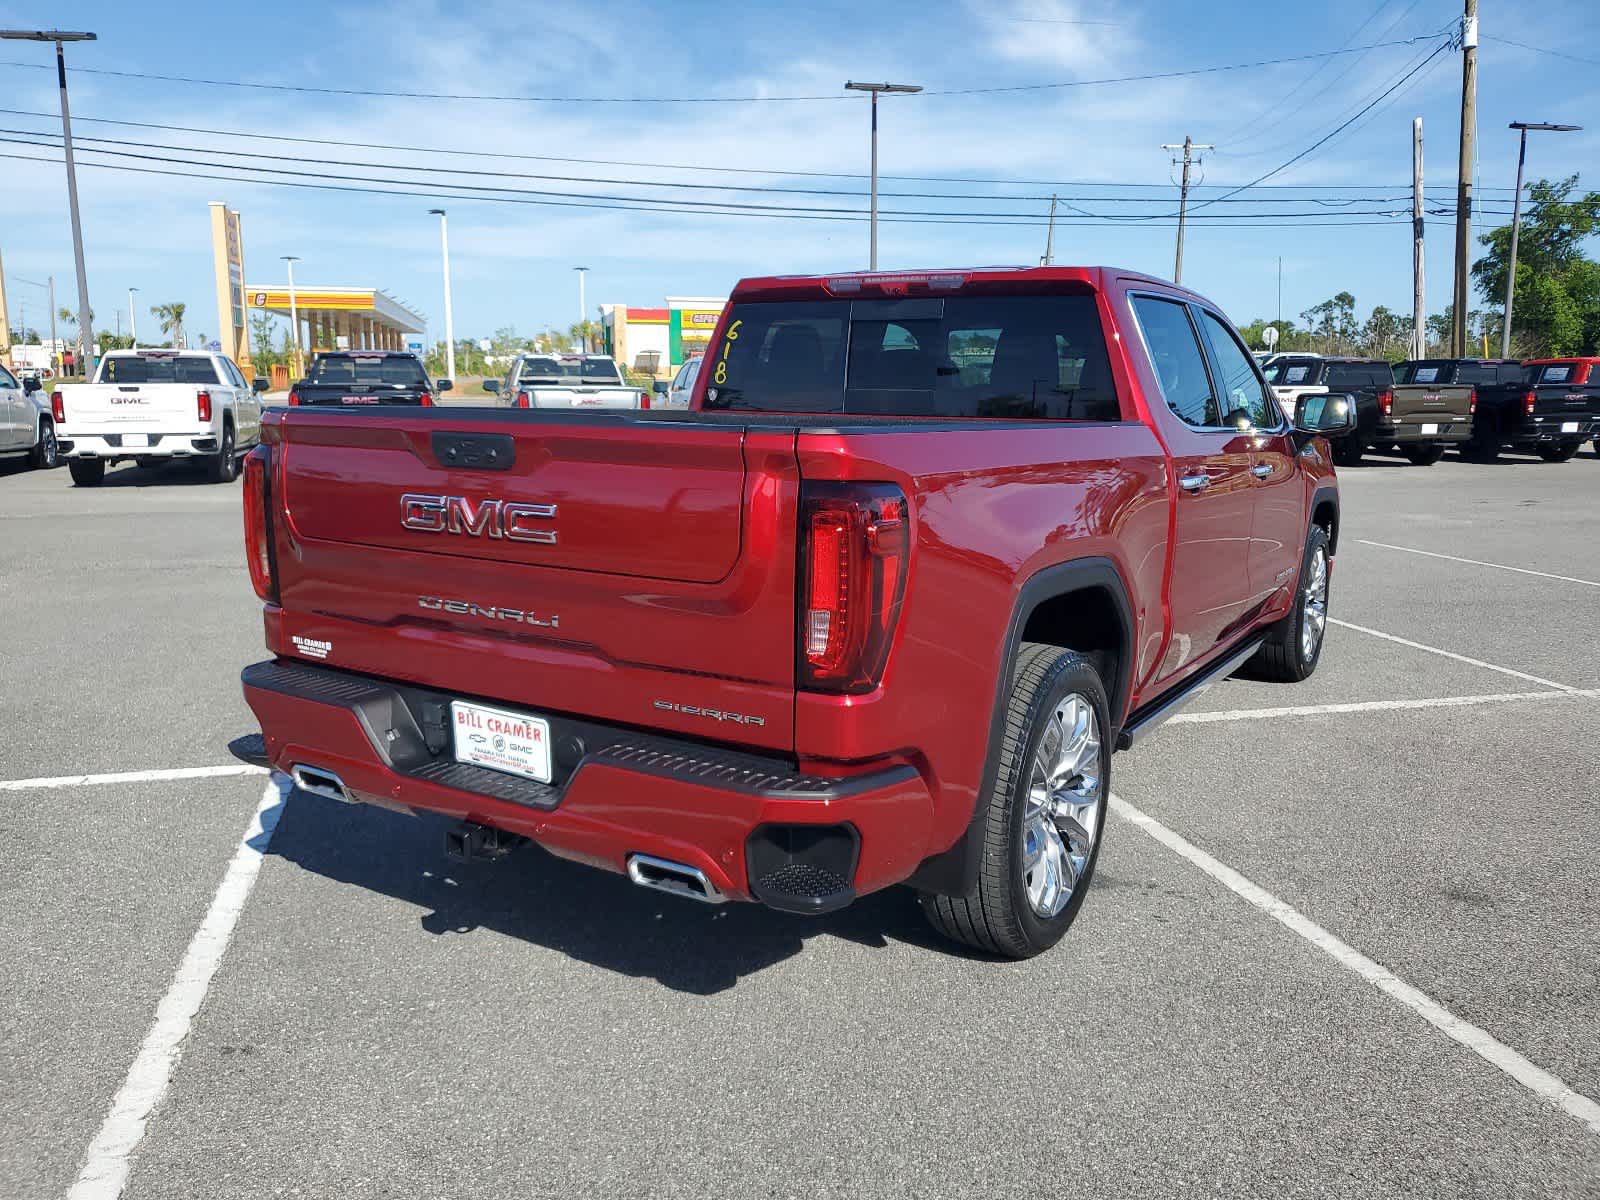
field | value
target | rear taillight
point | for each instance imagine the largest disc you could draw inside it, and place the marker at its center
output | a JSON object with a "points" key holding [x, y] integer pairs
{"points": [[644, 398], [427, 400], [1528, 399], [58, 407], [202, 404], [852, 579], [294, 398], [1472, 402], [1386, 402], [524, 400], [258, 522]]}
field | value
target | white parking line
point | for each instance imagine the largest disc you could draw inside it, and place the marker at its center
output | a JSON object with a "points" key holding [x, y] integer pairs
{"points": [[60, 781], [105, 1166], [1361, 706], [1531, 1076], [1474, 662], [1478, 562]]}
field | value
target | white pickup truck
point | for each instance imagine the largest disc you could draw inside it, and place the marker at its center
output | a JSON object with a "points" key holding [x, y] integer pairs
{"points": [[157, 406], [566, 381]]}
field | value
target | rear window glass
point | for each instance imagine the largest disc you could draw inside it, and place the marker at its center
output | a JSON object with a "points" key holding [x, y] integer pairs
{"points": [[1347, 376], [1424, 375], [368, 372], [157, 370], [565, 370], [1555, 373], [1287, 373], [1023, 357]]}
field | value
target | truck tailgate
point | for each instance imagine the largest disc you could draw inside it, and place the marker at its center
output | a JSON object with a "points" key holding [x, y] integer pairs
{"points": [[1431, 402], [608, 566], [131, 406], [1569, 404]]}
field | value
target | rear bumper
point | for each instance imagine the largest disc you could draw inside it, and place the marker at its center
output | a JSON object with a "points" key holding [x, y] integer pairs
{"points": [[742, 819], [113, 445], [1552, 430], [1445, 428]]}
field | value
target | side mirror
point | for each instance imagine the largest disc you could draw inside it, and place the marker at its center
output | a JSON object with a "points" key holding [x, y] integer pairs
{"points": [[1329, 414], [444, 385], [259, 384], [30, 385], [660, 387], [491, 386]]}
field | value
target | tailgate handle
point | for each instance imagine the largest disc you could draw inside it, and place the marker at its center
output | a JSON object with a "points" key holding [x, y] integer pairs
{"points": [[480, 451]]}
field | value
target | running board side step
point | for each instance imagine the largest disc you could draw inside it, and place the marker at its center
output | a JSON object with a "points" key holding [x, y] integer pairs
{"points": [[663, 875], [1157, 712]]}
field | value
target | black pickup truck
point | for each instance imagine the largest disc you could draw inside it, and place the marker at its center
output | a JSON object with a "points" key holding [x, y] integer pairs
{"points": [[1545, 406], [361, 377]]}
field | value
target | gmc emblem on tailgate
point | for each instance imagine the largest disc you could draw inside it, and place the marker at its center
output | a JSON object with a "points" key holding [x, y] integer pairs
{"points": [[490, 518]]}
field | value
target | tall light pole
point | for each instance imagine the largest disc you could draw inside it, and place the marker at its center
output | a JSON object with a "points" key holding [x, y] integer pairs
{"points": [[294, 312], [133, 322], [449, 317], [59, 36], [1516, 220], [583, 307], [875, 89]]}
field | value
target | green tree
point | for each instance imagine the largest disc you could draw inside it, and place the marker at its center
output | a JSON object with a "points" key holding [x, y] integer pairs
{"points": [[1385, 334], [1557, 307], [586, 334], [171, 317], [261, 351]]}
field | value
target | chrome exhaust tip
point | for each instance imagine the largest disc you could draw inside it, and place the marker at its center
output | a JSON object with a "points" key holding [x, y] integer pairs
{"points": [[321, 783], [677, 878]]}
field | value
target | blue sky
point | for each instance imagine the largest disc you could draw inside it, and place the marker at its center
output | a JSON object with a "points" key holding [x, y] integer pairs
{"points": [[512, 262]]}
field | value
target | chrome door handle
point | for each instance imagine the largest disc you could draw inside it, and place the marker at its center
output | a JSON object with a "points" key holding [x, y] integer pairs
{"points": [[1194, 483], [1261, 470]]}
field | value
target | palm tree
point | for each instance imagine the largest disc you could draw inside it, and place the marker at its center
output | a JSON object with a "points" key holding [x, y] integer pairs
{"points": [[171, 318]]}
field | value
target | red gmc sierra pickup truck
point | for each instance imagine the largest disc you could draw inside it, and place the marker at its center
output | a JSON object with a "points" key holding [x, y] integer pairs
{"points": [[877, 610]]}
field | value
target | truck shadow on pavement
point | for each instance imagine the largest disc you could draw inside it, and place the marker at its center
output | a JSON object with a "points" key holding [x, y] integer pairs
{"points": [[591, 915], [185, 474]]}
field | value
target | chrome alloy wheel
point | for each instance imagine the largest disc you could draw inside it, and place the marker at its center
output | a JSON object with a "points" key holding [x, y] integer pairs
{"points": [[1315, 601], [1064, 806]]}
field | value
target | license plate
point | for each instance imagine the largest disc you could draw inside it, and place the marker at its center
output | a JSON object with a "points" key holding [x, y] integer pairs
{"points": [[1430, 429], [135, 439], [502, 741], [1569, 427]]}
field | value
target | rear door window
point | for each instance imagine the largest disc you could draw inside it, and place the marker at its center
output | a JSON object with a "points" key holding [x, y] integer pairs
{"points": [[1021, 357], [1180, 366]]}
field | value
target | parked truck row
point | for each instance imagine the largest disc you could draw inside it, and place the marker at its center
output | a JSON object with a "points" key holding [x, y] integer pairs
{"points": [[1545, 406]]}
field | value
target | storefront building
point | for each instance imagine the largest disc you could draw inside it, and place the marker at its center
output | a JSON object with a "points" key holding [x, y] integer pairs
{"points": [[658, 341]]}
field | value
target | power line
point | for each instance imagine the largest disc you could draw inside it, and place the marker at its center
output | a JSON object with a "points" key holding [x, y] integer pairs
{"points": [[834, 97], [701, 169], [626, 201], [1489, 37], [1030, 221]]}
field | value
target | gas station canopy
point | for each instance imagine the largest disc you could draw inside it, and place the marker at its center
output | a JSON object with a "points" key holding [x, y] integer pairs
{"points": [[368, 318]]}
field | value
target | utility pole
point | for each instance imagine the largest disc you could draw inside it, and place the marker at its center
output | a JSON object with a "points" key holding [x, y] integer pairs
{"points": [[1469, 132], [1419, 303], [1516, 221], [55, 346], [133, 321], [1050, 236], [1189, 147], [449, 317], [1280, 289]]}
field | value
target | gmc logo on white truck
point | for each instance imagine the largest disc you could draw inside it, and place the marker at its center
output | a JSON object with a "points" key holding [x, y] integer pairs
{"points": [[490, 518]]}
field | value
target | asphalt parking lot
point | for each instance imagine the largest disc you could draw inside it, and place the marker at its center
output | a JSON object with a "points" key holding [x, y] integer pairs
{"points": [[211, 989]]}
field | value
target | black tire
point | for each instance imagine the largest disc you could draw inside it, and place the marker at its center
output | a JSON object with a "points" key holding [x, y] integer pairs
{"points": [[1283, 657], [224, 467], [1424, 454], [1561, 453], [87, 472], [46, 454], [996, 915], [1347, 451], [1484, 445]]}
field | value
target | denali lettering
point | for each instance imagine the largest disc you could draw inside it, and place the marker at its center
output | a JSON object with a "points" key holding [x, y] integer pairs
{"points": [[464, 608], [715, 714], [492, 518]]}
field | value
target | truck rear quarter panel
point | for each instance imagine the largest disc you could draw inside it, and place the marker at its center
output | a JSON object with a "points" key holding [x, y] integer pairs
{"points": [[1046, 493]]}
